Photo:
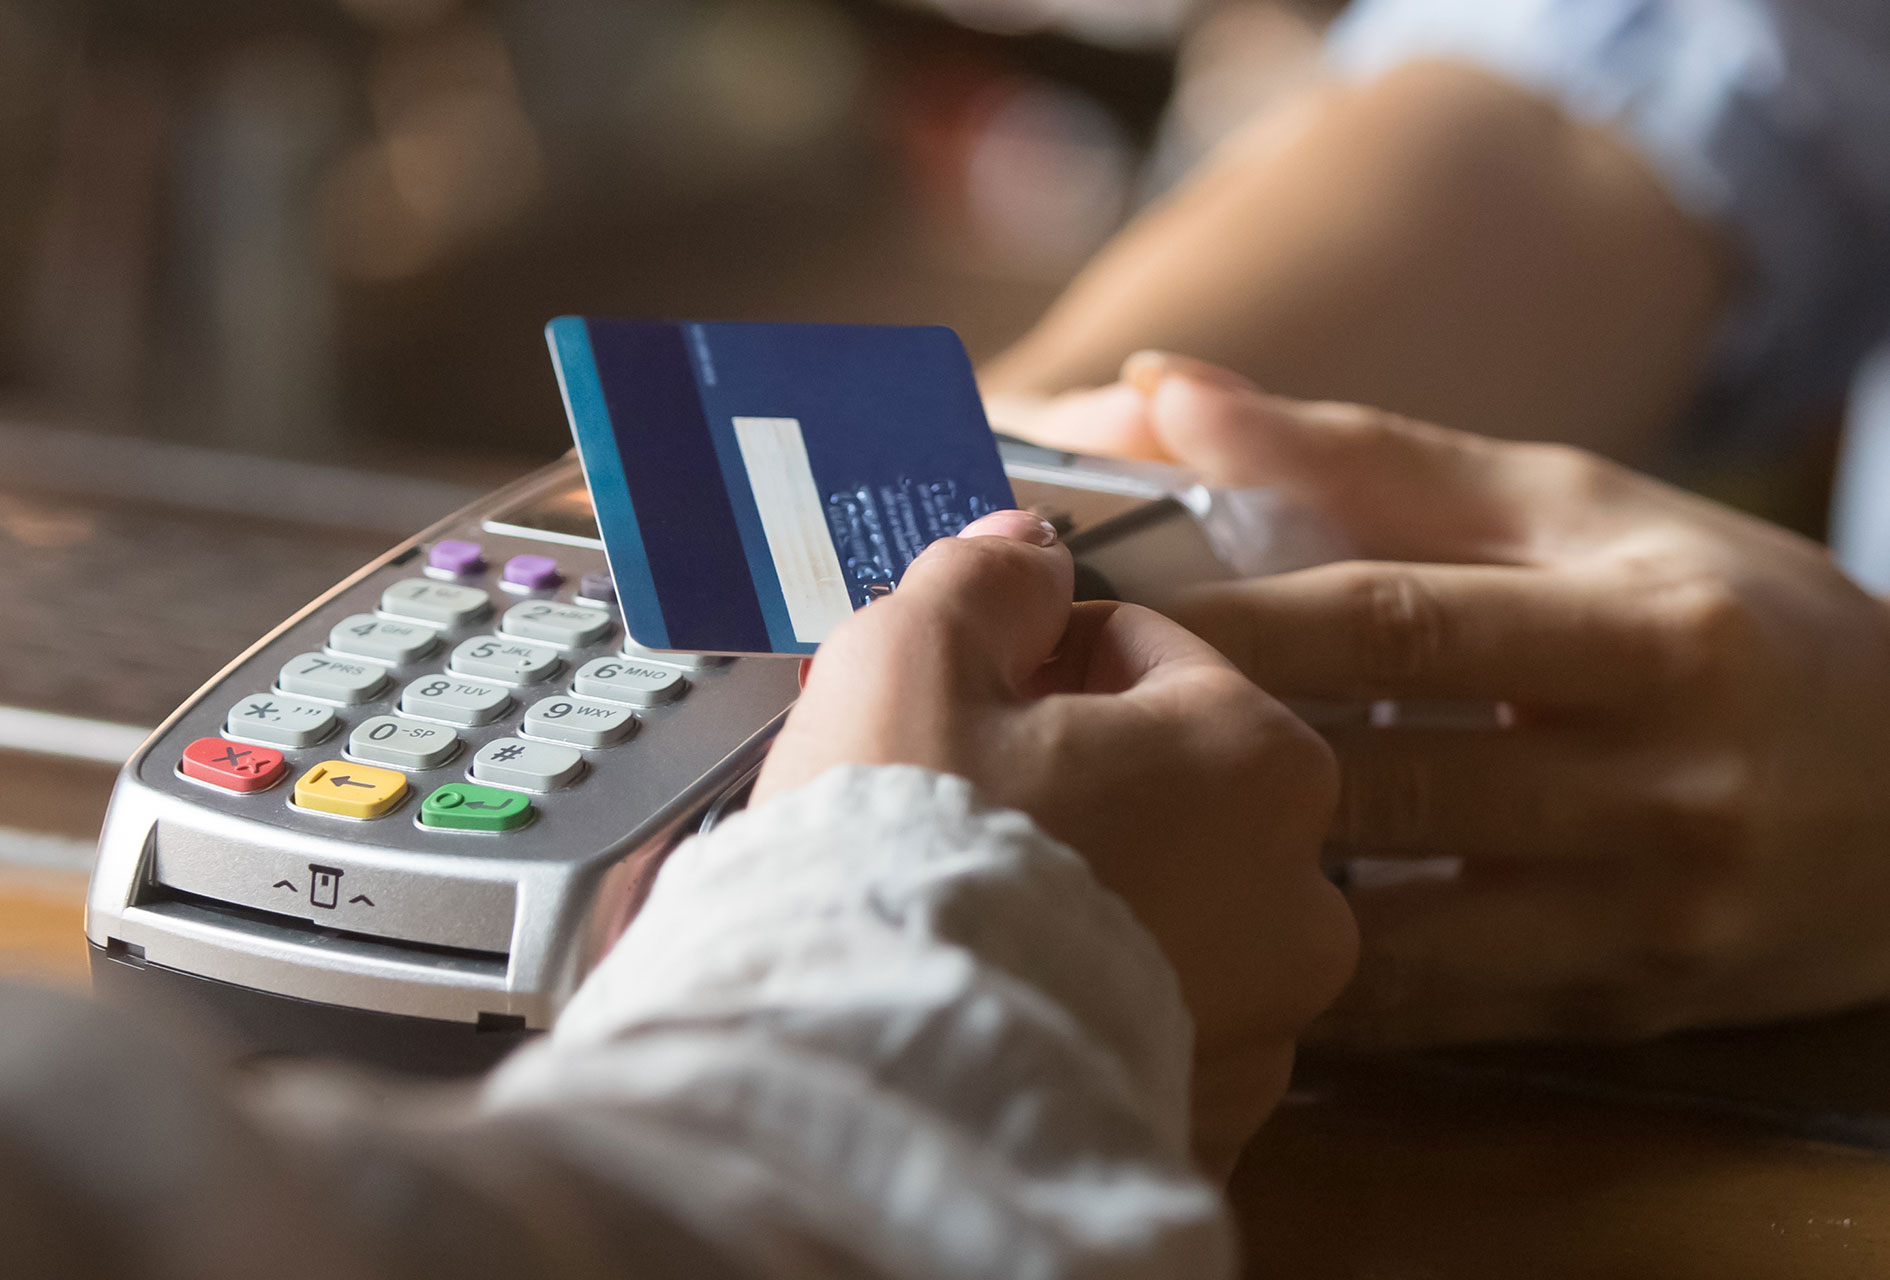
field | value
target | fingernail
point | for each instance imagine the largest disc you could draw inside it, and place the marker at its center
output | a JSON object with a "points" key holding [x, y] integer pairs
{"points": [[1020, 526], [807, 669], [1146, 370]]}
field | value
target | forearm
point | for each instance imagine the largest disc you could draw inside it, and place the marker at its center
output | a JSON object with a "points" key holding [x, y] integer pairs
{"points": [[1436, 241]]}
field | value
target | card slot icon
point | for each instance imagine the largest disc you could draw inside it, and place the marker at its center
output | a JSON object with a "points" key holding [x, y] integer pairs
{"points": [[794, 522]]}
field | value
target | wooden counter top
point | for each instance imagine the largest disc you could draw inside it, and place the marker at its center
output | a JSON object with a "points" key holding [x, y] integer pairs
{"points": [[1383, 1173]]}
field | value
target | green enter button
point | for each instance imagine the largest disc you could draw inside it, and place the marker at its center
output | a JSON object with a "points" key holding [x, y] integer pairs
{"points": [[461, 806]]}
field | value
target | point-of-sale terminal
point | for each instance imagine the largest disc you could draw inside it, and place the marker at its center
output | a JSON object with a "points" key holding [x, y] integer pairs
{"points": [[405, 824]]}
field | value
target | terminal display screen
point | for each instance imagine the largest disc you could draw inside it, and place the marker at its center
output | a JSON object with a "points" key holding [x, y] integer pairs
{"points": [[563, 515]]}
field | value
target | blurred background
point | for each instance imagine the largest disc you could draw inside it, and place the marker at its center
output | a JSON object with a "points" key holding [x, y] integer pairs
{"points": [[330, 231], [324, 229], [273, 276]]}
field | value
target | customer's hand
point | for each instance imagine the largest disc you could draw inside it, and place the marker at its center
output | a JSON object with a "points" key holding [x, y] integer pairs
{"points": [[1192, 794], [1688, 822]]}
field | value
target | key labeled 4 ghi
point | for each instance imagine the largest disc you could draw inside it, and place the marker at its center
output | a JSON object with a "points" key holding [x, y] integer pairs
{"points": [[382, 639]]}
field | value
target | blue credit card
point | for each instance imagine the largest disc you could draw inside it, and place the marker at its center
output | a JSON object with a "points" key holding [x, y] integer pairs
{"points": [[757, 483]]}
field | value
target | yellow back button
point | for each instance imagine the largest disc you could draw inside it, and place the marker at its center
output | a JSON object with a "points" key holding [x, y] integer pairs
{"points": [[350, 790]]}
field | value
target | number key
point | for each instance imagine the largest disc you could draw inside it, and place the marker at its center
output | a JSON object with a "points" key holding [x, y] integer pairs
{"points": [[499, 659], [641, 684], [316, 675], [564, 624], [407, 744], [580, 723], [366, 636], [445, 604], [461, 702]]}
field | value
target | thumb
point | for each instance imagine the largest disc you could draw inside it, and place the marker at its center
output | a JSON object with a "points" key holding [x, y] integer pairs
{"points": [[999, 593], [1398, 489]]}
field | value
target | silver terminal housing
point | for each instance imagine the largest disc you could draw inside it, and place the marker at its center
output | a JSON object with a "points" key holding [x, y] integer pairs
{"points": [[390, 916]]}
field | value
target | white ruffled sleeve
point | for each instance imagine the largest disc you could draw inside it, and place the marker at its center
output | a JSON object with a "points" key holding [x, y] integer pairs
{"points": [[877, 1024]]}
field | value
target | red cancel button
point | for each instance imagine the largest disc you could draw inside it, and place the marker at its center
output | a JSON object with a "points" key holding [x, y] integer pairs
{"points": [[234, 766]]}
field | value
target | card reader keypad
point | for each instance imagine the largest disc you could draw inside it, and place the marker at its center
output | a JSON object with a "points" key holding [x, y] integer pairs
{"points": [[539, 668]]}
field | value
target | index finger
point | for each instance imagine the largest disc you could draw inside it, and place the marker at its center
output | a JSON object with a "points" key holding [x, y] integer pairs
{"points": [[1398, 489], [1373, 630]]}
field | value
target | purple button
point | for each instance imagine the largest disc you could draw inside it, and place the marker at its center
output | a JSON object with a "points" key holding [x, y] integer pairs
{"points": [[597, 586], [460, 558], [535, 573]]}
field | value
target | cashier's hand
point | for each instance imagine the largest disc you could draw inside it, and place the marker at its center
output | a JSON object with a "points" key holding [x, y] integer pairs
{"points": [[1123, 736], [1688, 823]]}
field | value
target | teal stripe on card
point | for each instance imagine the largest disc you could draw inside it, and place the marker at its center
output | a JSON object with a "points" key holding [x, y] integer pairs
{"points": [[570, 341]]}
